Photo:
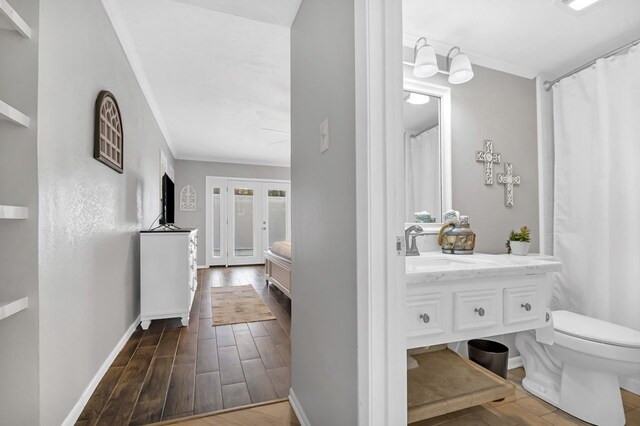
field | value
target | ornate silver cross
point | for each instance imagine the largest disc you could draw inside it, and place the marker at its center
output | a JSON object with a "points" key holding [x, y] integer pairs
{"points": [[508, 179], [488, 157]]}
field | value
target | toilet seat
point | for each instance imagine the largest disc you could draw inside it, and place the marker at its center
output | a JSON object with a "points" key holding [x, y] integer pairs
{"points": [[595, 330]]}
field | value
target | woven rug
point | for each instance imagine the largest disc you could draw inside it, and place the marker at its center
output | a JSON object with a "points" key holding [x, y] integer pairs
{"points": [[233, 305]]}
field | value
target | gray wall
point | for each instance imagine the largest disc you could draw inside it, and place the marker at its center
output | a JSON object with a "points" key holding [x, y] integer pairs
{"points": [[324, 362], [194, 173], [19, 238], [91, 215], [501, 107]]}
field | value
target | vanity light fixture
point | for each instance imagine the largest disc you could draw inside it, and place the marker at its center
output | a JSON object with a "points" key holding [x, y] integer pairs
{"points": [[416, 98], [425, 61], [459, 67]]}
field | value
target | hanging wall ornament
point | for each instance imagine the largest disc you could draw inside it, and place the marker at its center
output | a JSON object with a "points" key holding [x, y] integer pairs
{"points": [[508, 179], [488, 157], [188, 199]]}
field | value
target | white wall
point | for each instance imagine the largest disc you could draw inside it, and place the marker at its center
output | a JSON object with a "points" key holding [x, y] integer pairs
{"points": [[91, 215], [324, 352], [19, 238], [194, 173]]}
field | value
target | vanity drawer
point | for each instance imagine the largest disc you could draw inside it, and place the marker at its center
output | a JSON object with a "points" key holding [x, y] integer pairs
{"points": [[424, 315], [522, 304], [475, 310]]}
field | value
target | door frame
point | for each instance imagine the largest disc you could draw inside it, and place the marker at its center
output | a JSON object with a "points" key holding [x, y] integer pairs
{"points": [[381, 282], [210, 183]]}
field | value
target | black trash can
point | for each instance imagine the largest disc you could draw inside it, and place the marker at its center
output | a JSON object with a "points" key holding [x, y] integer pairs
{"points": [[491, 355]]}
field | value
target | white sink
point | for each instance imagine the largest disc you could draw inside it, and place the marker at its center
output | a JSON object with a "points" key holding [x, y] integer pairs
{"points": [[444, 262]]}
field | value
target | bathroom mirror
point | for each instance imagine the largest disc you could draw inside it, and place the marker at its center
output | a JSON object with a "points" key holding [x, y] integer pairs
{"points": [[427, 148]]}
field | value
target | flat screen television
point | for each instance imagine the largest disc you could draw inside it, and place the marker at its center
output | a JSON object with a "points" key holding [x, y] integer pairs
{"points": [[168, 201]]}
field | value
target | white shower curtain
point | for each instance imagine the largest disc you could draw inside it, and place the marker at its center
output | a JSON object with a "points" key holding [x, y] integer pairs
{"points": [[597, 190], [422, 176]]}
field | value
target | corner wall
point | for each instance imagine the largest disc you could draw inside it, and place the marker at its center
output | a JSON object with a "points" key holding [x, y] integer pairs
{"points": [[19, 238], [324, 362], [91, 215], [194, 173]]}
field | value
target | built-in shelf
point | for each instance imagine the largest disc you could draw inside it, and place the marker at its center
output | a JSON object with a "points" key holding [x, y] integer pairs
{"points": [[7, 112], [13, 212], [445, 382], [6, 310], [9, 19]]}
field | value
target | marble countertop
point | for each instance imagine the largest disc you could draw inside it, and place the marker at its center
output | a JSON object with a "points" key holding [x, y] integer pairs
{"points": [[436, 266]]}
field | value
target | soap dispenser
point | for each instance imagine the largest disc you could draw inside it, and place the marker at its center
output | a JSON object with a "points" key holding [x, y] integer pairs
{"points": [[456, 236]]}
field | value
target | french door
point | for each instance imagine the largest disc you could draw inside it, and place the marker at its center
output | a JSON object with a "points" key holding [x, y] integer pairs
{"points": [[244, 217]]}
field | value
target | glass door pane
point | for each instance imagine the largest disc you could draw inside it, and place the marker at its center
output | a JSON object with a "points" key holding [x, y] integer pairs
{"points": [[216, 221], [245, 240], [243, 207], [276, 221]]}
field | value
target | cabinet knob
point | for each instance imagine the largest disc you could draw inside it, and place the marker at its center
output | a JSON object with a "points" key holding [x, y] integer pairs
{"points": [[480, 311], [425, 318], [526, 306]]}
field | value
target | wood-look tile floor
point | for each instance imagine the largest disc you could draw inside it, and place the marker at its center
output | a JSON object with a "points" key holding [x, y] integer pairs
{"points": [[169, 371], [271, 414], [523, 408]]}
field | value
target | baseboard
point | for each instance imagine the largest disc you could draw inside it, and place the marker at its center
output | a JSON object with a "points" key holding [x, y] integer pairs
{"points": [[515, 362], [297, 408], [631, 383], [72, 417], [203, 267]]}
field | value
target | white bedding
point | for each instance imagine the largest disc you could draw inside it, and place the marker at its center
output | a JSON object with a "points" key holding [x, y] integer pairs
{"points": [[282, 248]]}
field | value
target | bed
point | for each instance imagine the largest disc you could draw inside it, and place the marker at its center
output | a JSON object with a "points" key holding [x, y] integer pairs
{"points": [[277, 266]]}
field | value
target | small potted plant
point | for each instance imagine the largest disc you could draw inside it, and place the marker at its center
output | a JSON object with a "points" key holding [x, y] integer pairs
{"points": [[519, 242]]}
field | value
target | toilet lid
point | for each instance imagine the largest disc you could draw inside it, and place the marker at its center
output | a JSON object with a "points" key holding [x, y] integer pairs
{"points": [[595, 330]]}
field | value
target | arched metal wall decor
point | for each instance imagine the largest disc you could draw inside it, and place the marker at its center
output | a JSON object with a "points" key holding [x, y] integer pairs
{"points": [[108, 144]]}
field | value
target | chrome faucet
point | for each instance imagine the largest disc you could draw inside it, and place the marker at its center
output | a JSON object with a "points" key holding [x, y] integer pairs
{"points": [[413, 231]]}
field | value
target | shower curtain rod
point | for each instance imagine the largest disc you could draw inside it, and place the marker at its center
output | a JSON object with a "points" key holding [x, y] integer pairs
{"points": [[549, 84]]}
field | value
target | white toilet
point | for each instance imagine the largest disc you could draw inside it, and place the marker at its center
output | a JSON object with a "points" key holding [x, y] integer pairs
{"points": [[578, 373]]}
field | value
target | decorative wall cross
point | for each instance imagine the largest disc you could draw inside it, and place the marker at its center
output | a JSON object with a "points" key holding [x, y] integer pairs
{"points": [[488, 157], [508, 180]]}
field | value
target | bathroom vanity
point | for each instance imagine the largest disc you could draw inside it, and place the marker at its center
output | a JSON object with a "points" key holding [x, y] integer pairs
{"points": [[455, 298]]}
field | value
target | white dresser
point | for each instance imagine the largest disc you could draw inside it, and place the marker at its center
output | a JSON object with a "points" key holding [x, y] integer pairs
{"points": [[168, 274]]}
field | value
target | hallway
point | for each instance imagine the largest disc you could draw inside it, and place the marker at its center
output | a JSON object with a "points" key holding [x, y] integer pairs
{"points": [[169, 372]]}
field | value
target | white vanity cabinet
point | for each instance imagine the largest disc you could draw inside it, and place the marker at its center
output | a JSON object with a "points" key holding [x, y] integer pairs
{"points": [[168, 274], [472, 301]]}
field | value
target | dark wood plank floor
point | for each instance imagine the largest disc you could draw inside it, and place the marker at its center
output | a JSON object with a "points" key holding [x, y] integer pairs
{"points": [[169, 371]]}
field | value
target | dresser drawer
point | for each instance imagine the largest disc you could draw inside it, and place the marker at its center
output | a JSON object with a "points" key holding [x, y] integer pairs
{"points": [[424, 315], [522, 304], [476, 309]]}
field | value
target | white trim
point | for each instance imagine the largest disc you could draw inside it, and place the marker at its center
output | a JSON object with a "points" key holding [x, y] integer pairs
{"points": [[112, 8], [297, 408], [382, 373], [442, 48], [14, 19], [203, 267], [13, 212], [7, 112], [514, 362], [630, 383], [444, 93], [75, 412], [13, 308], [213, 159]]}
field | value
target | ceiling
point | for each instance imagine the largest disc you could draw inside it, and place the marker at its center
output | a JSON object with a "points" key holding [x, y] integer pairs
{"points": [[219, 71], [523, 37], [417, 118]]}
